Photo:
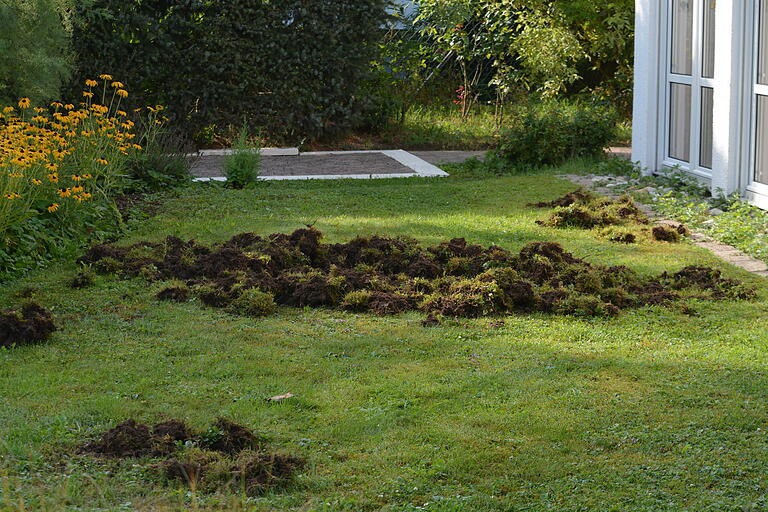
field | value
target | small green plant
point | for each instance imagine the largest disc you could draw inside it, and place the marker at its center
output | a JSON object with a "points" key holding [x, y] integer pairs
{"points": [[243, 165]]}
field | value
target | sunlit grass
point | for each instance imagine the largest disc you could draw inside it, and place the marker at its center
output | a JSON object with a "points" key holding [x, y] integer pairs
{"points": [[654, 410]]}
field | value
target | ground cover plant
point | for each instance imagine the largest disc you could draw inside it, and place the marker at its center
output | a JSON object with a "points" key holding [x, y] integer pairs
{"points": [[249, 274], [653, 410]]}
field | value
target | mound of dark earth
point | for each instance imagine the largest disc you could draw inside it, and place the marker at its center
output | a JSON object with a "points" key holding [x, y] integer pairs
{"points": [[29, 325], [226, 456], [391, 275]]}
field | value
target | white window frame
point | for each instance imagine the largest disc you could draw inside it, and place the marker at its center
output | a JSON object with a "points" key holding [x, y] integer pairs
{"points": [[756, 192], [695, 81]]}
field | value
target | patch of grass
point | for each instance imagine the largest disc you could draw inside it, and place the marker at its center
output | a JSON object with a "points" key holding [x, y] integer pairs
{"points": [[654, 410]]}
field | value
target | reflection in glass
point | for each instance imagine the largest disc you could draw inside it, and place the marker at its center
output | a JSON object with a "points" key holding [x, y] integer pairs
{"points": [[707, 108], [682, 37], [708, 44], [680, 122], [761, 142]]}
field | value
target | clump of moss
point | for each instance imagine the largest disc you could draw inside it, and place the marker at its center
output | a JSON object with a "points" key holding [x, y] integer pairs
{"points": [[226, 457], [108, 265], [251, 275], [358, 300], [32, 324], [254, 303], [619, 234], [251, 472], [580, 196], [83, 279], [176, 292], [670, 232]]}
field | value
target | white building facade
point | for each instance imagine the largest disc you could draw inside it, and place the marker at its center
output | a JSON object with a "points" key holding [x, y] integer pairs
{"points": [[701, 92]]}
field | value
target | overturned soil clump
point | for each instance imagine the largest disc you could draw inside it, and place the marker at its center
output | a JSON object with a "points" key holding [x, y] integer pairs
{"points": [[29, 325], [227, 456], [249, 274], [584, 210]]}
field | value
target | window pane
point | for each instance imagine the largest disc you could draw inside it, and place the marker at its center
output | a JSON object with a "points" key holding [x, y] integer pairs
{"points": [[707, 104], [682, 36], [708, 44], [761, 159], [680, 122], [762, 53]]}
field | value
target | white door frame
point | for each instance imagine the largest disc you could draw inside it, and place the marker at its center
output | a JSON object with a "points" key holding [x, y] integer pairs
{"points": [[756, 192]]}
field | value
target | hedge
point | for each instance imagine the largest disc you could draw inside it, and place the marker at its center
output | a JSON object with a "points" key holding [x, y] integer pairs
{"points": [[290, 67]]}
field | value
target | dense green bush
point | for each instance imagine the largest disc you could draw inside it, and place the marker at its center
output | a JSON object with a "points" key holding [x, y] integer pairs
{"points": [[552, 132], [291, 67], [34, 49]]}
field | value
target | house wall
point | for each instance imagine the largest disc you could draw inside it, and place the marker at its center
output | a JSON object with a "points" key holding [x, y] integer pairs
{"points": [[731, 140]]}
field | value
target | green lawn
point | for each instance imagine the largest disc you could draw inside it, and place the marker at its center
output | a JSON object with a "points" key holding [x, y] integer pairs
{"points": [[651, 411]]}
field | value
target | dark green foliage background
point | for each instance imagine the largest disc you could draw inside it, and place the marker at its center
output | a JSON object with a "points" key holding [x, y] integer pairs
{"points": [[291, 67], [34, 49]]}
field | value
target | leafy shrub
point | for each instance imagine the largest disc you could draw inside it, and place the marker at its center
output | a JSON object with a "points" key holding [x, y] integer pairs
{"points": [[293, 67], [242, 167], [34, 49], [550, 133]]}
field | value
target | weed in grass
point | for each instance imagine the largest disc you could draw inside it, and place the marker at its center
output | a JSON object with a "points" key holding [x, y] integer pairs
{"points": [[249, 275], [32, 324]]}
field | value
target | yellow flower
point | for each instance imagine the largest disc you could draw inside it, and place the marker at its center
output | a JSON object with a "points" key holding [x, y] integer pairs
{"points": [[75, 177], [39, 110], [91, 83], [56, 104], [122, 93], [136, 146], [64, 192], [102, 161], [105, 77], [117, 85], [36, 181], [121, 113], [8, 110], [88, 94], [39, 119], [53, 178], [77, 190], [69, 106], [24, 103], [53, 207]]}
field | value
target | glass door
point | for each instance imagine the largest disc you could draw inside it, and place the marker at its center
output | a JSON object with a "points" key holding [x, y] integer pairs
{"points": [[689, 85], [758, 171]]}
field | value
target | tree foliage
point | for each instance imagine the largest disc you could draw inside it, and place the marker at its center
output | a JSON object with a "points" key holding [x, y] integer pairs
{"points": [[34, 49], [547, 46]]}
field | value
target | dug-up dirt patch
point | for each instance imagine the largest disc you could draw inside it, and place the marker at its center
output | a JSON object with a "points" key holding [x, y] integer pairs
{"points": [[227, 457], [30, 325], [250, 274]]}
